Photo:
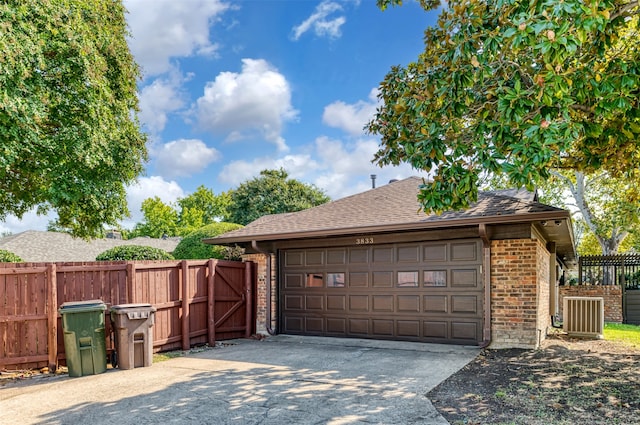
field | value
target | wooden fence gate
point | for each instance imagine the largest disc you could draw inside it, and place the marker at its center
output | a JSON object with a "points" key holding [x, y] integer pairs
{"points": [[197, 302]]}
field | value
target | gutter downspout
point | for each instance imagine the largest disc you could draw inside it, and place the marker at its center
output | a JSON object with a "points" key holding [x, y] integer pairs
{"points": [[486, 264], [267, 282]]}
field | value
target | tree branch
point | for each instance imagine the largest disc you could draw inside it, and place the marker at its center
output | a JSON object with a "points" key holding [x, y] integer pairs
{"points": [[624, 9]]}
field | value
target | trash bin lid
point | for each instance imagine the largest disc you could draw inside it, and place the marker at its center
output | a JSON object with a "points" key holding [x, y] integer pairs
{"points": [[81, 306], [123, 307]]}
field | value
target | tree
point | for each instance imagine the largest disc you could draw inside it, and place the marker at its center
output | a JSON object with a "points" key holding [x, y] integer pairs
{"points": [[272, 193], [69, 137], [9, 257], [601, 203], [133, 252], [519, 88], [159, 220], [191, 246], [201, 207]]}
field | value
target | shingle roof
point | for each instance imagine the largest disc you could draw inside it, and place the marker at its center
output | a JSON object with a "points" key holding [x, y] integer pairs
{"points": [[38, 246], [387, 208]]}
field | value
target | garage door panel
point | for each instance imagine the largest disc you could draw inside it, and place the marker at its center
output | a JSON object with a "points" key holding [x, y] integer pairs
{"points": [[382, 303], [293, 302], [359, 280], [314, 258], [314, 325], [434, 253], [382, 279], [293, 258], [359, 303], [467, 304], [359, 256], [464, 278], [382, 328], [409, 254], [336, 325], [465, 330], [408, 303], [408, 328], [435, 329], [294, 280], [435, 303], [337, 256], [336, 303], [293, 324], [358, 326], [464, 251], [314, 302], [421, 291], [382, 255]]}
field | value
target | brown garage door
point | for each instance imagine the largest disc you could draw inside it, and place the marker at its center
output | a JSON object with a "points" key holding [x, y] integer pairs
{"points": [[429, 291]]}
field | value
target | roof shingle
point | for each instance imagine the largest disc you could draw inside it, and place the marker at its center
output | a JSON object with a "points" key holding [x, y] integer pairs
{"points": [[394, 205]]}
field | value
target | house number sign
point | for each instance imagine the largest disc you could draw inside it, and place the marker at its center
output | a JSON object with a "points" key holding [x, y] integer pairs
{"points": [[364, 241]]}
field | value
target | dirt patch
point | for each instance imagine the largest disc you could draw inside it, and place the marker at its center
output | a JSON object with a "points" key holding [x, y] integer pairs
{"points": [[567, 381]]}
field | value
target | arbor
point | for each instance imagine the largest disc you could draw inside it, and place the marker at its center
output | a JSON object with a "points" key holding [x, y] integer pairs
{"points": [[272, 193], [519, 88], [69, 138]]}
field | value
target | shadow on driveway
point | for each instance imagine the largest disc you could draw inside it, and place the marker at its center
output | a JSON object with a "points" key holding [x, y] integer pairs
{"points": [[280, 380]]}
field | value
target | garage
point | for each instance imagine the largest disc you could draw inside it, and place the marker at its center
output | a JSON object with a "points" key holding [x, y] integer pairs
{"points": [[373, 265], [428, 292]]}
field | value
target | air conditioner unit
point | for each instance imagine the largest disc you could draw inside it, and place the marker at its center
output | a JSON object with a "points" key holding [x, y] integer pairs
{"points": [[583, 316]]}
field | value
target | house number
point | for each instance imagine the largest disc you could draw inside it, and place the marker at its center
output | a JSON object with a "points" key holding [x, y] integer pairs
{"points": [[364, 241]]}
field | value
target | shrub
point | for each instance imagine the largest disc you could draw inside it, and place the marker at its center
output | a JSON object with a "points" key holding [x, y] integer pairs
{"points": [[134, 252], [191, 246], [9, 257]]}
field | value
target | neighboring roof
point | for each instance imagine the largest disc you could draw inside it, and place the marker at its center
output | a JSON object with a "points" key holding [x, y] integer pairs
{"points": [[394, 207], [38, 246]]}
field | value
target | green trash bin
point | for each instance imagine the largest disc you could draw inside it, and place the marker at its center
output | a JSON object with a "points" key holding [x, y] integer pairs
{"points": [[84, 337]]}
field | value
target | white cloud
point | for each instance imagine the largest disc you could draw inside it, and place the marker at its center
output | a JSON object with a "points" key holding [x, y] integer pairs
{"points": [[258, 99], [165, 29], [339, 168], [237, 172], [321, 23], [351, 118], [184, 157], [149, 187], [29, 221], [157, 100]]}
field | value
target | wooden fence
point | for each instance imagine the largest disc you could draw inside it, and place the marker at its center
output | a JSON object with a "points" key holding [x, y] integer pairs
{"points": [[197, 302]]}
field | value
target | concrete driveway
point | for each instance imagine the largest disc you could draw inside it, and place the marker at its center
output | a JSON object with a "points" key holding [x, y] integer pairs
{"points": [[279, 380]]}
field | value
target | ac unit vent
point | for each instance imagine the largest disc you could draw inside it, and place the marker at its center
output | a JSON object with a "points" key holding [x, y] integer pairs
{"points": [[583, 316]]}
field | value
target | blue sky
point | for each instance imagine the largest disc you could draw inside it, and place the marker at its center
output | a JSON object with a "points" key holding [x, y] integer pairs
{"points": [[234, 87]]}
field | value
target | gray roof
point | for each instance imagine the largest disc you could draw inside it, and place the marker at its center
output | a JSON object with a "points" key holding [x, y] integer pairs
{"points": [[38, 246], [392, 207]]}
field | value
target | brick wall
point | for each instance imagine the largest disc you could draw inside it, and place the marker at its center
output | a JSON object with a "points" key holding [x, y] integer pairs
{"points": [[612, 295], [261, 290], [519, 293]]}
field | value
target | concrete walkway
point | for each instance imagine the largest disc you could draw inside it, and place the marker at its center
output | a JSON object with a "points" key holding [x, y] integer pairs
{"points": [[279, 380]]}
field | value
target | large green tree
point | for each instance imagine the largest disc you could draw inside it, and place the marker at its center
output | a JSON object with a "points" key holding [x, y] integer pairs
{"points": [[159, 219], [601, 208], [273, 192], [200, 208], [518, 88], [69, 137]]}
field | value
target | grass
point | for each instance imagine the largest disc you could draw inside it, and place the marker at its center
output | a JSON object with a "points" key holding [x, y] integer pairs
{"points": [[628, 334]]}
